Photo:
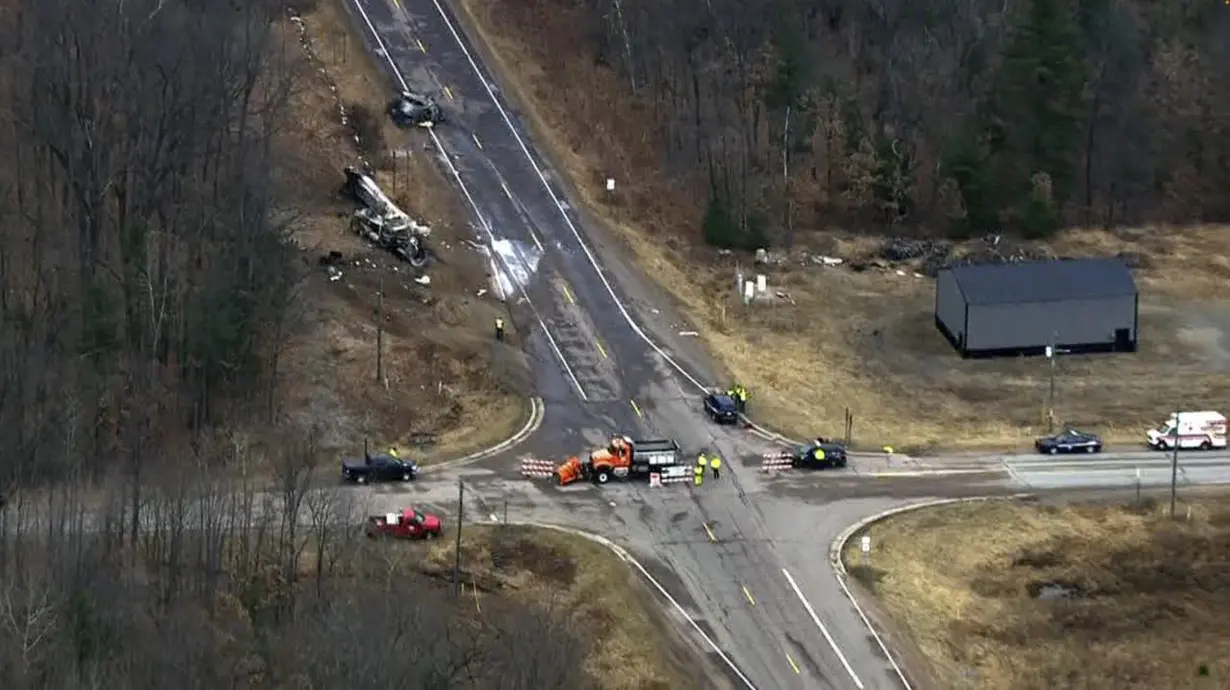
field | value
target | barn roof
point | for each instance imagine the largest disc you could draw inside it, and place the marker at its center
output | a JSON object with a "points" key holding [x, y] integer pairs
{"points": [[1044, 281]]}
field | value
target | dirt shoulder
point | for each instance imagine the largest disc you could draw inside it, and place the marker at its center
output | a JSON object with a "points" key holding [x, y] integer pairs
{"points": [[630, 642], [445, 387], [1027, 595], [861, 341]]}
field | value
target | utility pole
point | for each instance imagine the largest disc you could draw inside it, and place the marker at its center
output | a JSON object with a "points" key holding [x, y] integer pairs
{"points": [[1052, 351], [1174, 465], [457, 555], [786, 180], [380, 329]]}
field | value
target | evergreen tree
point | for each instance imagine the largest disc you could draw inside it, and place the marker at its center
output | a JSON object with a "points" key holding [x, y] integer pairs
{"points": [[1038, 107]]}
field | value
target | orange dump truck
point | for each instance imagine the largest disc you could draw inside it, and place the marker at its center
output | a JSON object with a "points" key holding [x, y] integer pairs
{"points": [[623, 458]]}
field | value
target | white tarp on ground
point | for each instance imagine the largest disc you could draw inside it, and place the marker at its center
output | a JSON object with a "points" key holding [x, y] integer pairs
{"points": [[513, 265]]}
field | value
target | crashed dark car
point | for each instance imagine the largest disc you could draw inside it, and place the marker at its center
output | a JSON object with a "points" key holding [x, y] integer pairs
{"points": [[820, 454], [1069, 441], [411, 109], [377, 468], [721, 408]]}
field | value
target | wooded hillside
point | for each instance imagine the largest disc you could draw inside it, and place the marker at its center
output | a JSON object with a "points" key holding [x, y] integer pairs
{"points": [[144, 272], [958, 117]]}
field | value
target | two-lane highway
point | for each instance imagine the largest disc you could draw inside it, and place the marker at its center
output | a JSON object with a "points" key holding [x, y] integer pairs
{"points": [[753, 606], [753, 567]]}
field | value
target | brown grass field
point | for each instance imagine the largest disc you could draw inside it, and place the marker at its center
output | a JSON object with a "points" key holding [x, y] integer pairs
{"points": [[1024, 596], [443, 373], [570, 573], [858, 341]]}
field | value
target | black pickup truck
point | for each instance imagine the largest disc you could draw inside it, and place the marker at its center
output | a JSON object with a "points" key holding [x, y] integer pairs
{"points": [[377, 468]]}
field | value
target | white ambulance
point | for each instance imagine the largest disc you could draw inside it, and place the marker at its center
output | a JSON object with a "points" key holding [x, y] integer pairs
{"points": [[1203, 430]]}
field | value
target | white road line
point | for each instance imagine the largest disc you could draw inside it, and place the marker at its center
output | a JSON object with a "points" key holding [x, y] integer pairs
{"points": [[1012, 473], [534, 236], [559, 205], [384, 50], [628, 558], [816, 619], [606, 283]]}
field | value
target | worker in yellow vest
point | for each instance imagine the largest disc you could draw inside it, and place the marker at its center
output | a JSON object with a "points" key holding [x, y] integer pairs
{"points": [[715, 463], [698, 474]]}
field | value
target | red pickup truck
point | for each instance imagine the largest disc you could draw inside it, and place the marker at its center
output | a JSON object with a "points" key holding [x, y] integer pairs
{"points": [[405, 524]]}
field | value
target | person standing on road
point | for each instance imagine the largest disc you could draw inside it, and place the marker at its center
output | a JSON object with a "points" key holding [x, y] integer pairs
{"points": [[499, 328], [716, 464], [701, 461], [698, 474], [393, 451]]}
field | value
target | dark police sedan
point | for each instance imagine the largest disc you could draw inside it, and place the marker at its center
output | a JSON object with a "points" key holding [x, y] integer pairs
{"points": [[721, 408], [1069, 441]]}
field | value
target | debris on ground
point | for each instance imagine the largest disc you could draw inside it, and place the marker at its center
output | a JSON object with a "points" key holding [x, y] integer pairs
{"points": [[381, 222], [931, 255], [997, 249], [928, 257]]}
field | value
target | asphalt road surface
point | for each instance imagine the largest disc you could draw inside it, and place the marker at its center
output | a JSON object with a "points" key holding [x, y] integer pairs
{"points": [[745, 555]]}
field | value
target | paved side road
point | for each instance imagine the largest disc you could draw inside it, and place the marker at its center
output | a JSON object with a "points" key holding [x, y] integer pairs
{"points": [[741, 591], [747, 555]]}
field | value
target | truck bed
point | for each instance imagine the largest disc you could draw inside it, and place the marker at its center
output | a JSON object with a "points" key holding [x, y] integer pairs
{"points": [[655, 445], [655, 453]]}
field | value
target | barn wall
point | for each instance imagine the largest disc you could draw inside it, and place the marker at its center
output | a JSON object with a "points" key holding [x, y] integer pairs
{"points": [[1032, 325], [949, 304]]}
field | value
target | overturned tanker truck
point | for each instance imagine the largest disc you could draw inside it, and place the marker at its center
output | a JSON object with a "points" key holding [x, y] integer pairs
{"points": [[383, 223]]}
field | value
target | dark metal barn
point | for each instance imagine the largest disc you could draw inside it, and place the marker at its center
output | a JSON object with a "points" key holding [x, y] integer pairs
{"points": [[1081, 305]]}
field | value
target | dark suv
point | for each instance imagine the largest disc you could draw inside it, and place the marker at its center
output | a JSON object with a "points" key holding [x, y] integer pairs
{"points": [[721, 408]]}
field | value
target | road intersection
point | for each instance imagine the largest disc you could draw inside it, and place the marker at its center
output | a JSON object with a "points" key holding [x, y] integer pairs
{"points": [[747, 557]]}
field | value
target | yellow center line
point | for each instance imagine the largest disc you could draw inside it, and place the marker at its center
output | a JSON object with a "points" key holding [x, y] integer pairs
{"points": [[477, 143], [792, 664], [635, 409], [448, 92], [748, 594], [709, 532], [601, 350], [567, 293], [422, 48]]}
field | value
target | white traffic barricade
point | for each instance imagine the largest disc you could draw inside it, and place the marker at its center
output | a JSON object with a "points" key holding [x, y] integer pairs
{"points": [[772, 462], [676, 474], [537, 469]]}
